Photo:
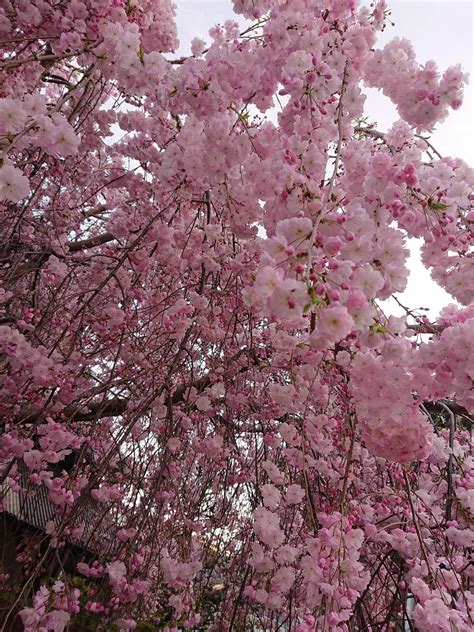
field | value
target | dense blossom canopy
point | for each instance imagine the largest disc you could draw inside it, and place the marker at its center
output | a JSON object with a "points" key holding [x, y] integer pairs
{"points": [[200, 380]]}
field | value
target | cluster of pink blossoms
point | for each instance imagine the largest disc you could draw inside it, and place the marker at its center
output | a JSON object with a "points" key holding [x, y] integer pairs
{"points": [[51, 609], [208, 421], [428, 98], [392, 424]]}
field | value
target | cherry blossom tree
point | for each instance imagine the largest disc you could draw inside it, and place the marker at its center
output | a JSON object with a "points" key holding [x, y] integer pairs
{"points": [[200, 377]]}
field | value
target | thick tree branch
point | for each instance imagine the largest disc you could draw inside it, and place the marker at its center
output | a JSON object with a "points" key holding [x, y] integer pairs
{"points": [[91, 242], [113, 407]]}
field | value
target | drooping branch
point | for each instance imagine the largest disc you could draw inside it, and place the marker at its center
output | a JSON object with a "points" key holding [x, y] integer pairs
{"points": [[113, 407], [91, 242], [440, 407]]}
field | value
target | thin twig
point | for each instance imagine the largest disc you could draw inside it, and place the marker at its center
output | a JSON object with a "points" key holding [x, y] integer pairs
{"points": [[449, 477]]}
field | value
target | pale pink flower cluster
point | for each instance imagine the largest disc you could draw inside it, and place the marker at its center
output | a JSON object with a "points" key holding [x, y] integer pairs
{"points": [[391, 422], [421, 96], [14, 186], [267, 527], [337, 580], [107, 493], [177, 573], [449, 363], [51, 609]]}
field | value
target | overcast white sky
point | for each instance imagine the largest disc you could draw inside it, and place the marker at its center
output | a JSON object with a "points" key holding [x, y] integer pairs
{"points": [[442, 30]]}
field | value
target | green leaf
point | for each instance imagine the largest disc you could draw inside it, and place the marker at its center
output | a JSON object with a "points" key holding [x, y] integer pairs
{"points": [[315, 299], [438, 206]]}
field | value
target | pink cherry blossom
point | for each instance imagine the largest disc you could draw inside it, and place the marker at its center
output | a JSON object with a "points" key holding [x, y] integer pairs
{"points": [[335, 323], [294, 494], [14, 185]]}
